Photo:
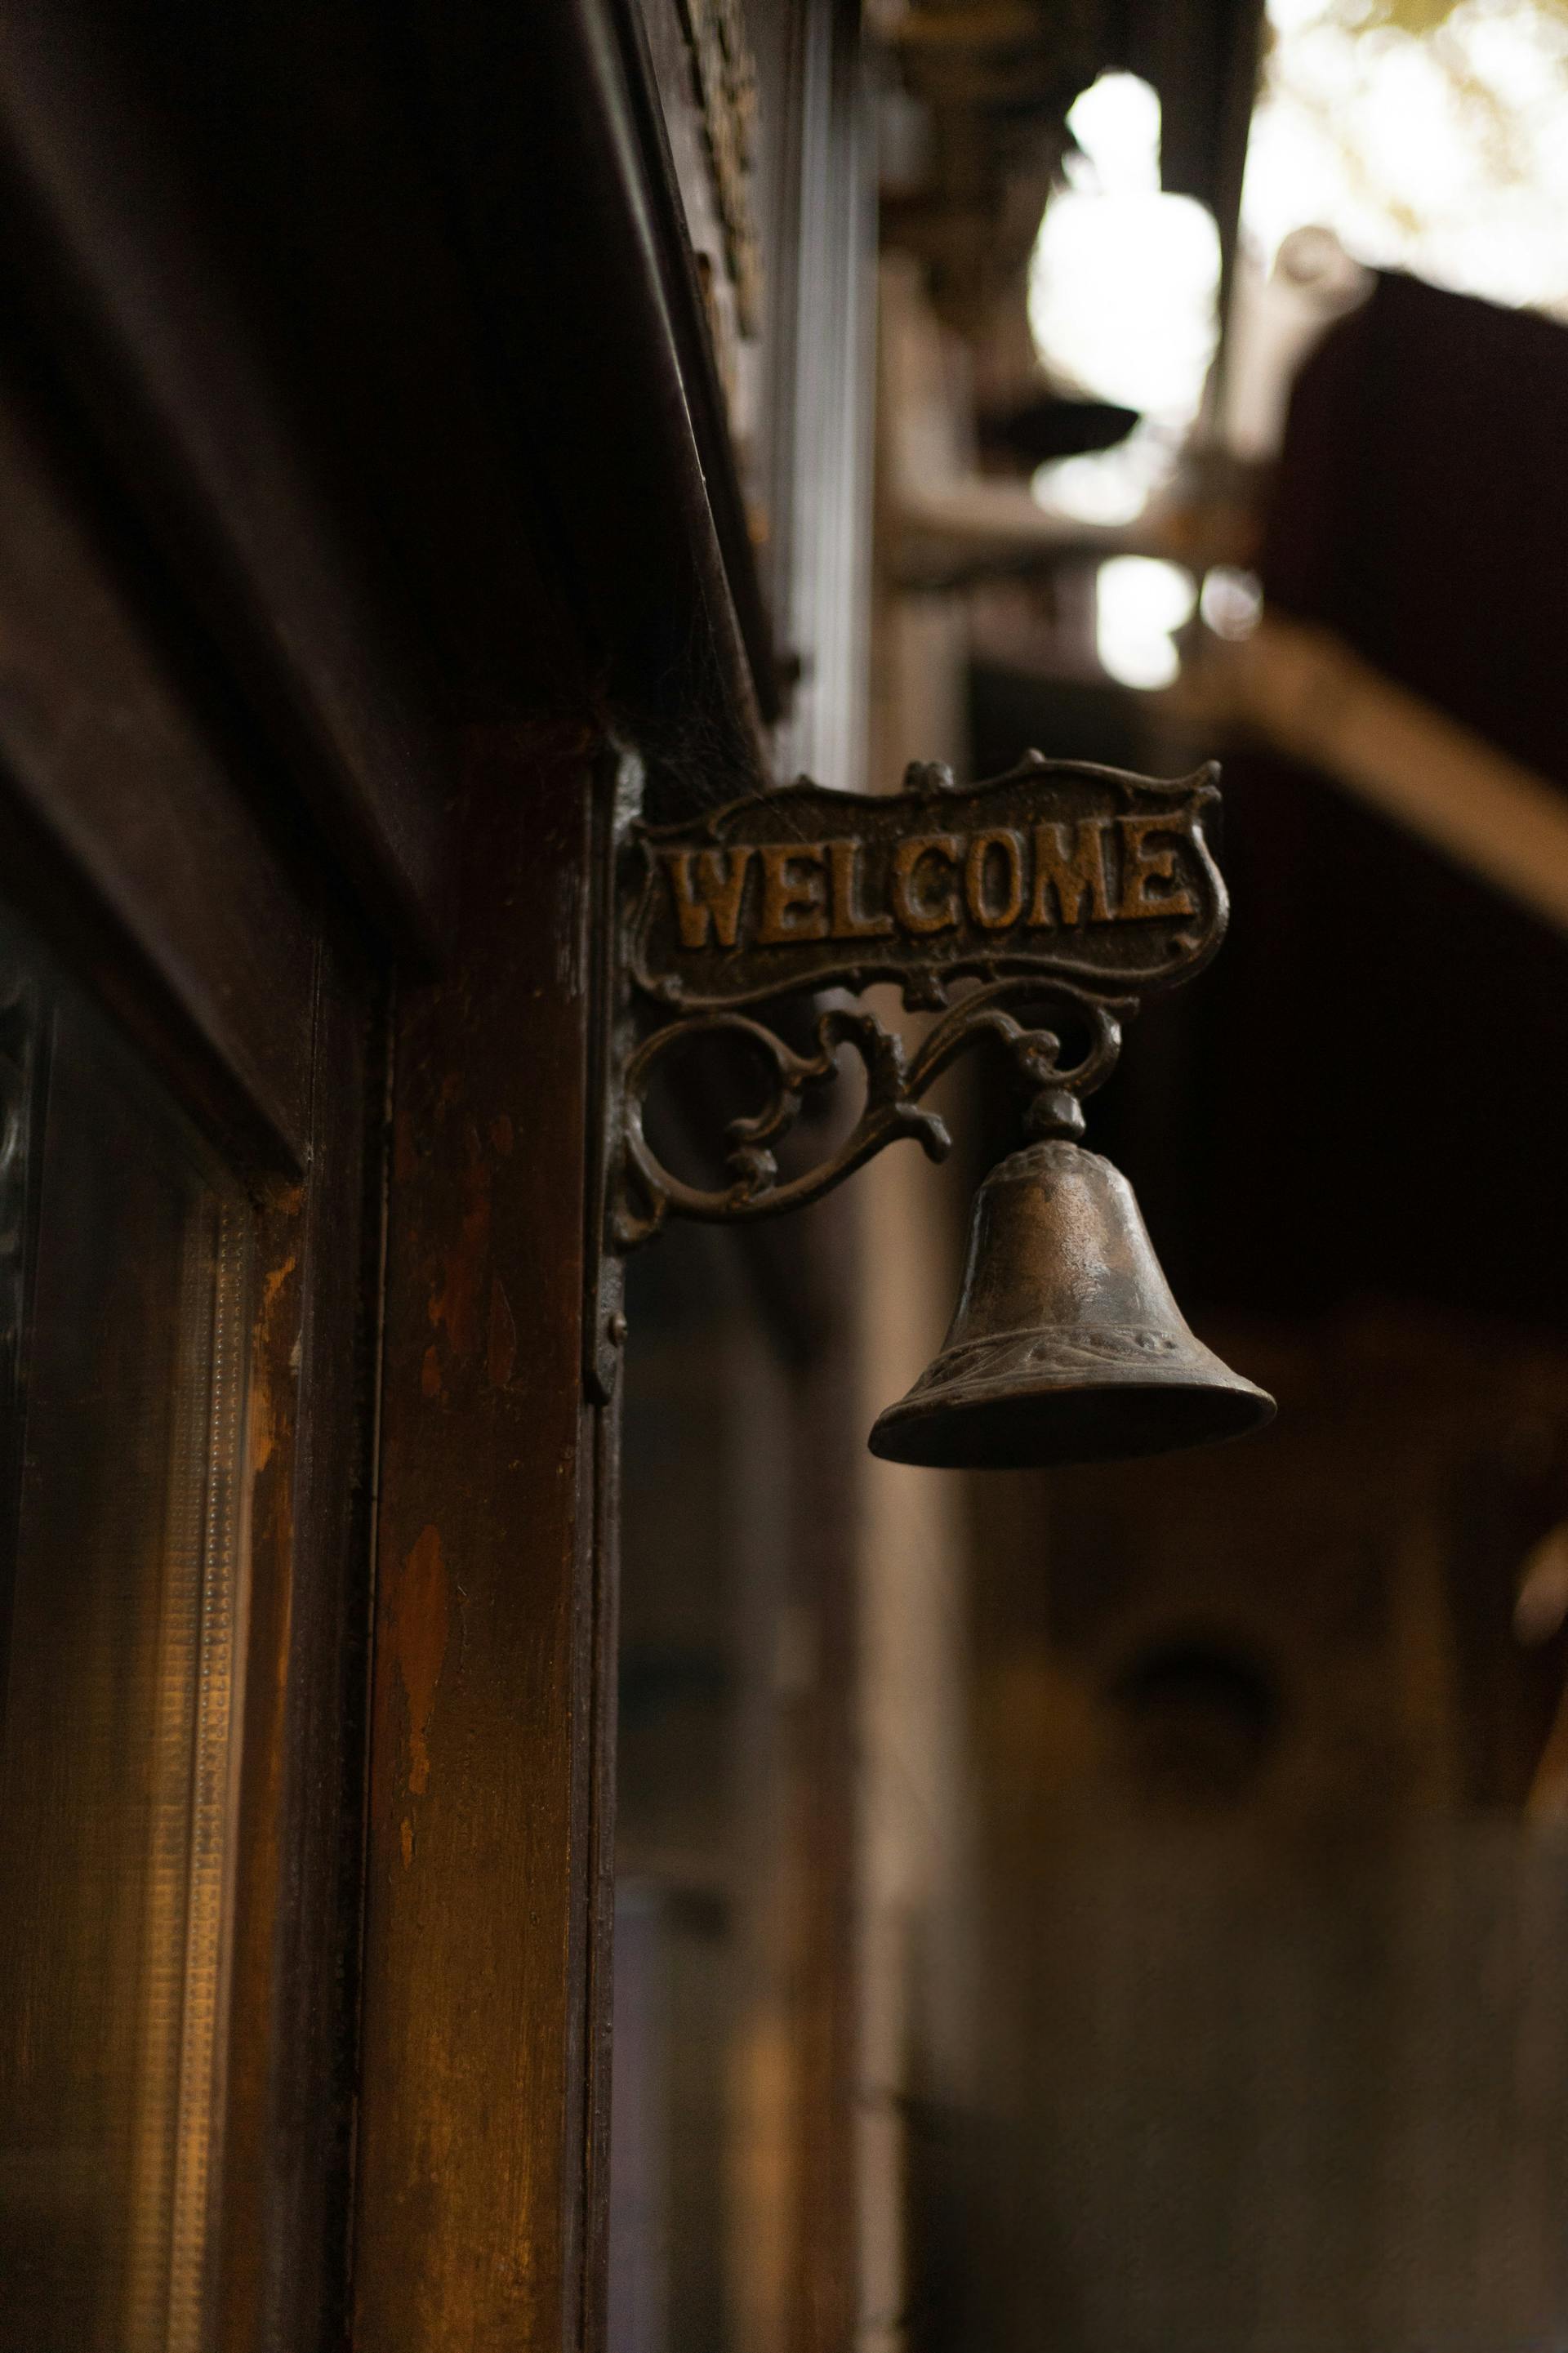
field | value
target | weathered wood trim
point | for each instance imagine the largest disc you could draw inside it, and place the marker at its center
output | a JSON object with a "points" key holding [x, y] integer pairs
{"points": [[486, 1961], [290, 2098]]}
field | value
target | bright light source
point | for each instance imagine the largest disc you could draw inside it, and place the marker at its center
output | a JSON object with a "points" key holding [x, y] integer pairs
{"points": [[1231, 602], [1106, 486], [1123, 280], [1140, 603], [1433, 138], [1116, 122]]}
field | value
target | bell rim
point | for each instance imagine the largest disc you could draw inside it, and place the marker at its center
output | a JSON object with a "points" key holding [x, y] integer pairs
{"points": [[1250, 1411]]}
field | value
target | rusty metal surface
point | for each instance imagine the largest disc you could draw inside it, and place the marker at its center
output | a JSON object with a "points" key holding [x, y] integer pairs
{"points": [[1052, 898], [1065, 1344]]}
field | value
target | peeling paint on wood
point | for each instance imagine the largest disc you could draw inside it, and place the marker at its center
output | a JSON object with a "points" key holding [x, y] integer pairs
{"points": [[276, 1310]]}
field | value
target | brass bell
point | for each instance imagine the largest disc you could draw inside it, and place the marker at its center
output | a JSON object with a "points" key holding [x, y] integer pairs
{"points": [[1065, 1344]]}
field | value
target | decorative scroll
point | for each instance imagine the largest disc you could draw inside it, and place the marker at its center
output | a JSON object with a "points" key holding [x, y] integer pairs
{"points": [[1056, 869], [895, 1082]]}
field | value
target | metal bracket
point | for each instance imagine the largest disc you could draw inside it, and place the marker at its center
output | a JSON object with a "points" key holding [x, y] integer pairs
{"points": [[895, 1082]]}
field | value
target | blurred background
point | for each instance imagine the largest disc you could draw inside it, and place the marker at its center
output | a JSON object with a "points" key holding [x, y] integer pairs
{"points": [[1201, 1972]]}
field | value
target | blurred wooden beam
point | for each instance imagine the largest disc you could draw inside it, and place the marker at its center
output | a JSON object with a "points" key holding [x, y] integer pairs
{"points": [[1305, 693]]}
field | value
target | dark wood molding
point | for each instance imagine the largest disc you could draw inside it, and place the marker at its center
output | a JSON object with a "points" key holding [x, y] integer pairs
{"points": [[544, 119], [142, 854], [146, 331], [692, 352]]}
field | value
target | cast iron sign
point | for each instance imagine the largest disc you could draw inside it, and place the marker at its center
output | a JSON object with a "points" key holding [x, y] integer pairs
{"points": [[1055, 869]]}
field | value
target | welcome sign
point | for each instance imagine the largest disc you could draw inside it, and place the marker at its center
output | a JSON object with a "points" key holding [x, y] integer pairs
{"points": [[1057, 868]]}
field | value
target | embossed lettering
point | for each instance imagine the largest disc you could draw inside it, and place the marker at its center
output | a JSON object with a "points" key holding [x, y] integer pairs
{"points": [[912, 912], [709, 903], [1070, 873], [1140, 866], [979, 866], [1056, 868], [793, 906], [848, 923]]}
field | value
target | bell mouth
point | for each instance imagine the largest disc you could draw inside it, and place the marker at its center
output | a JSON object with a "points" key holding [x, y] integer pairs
{"points": [[1108, 1422]]}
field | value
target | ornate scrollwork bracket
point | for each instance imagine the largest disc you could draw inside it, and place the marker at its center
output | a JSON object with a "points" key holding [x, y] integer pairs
{"points": [[1050, 898], [895, 1082]]}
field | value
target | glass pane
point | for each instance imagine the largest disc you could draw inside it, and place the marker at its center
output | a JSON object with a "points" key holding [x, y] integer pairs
{"points": [[123, 1260]]}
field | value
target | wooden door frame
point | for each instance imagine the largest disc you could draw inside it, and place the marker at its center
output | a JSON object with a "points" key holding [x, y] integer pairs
{"points": [[156, 860], [481, 2190]]}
